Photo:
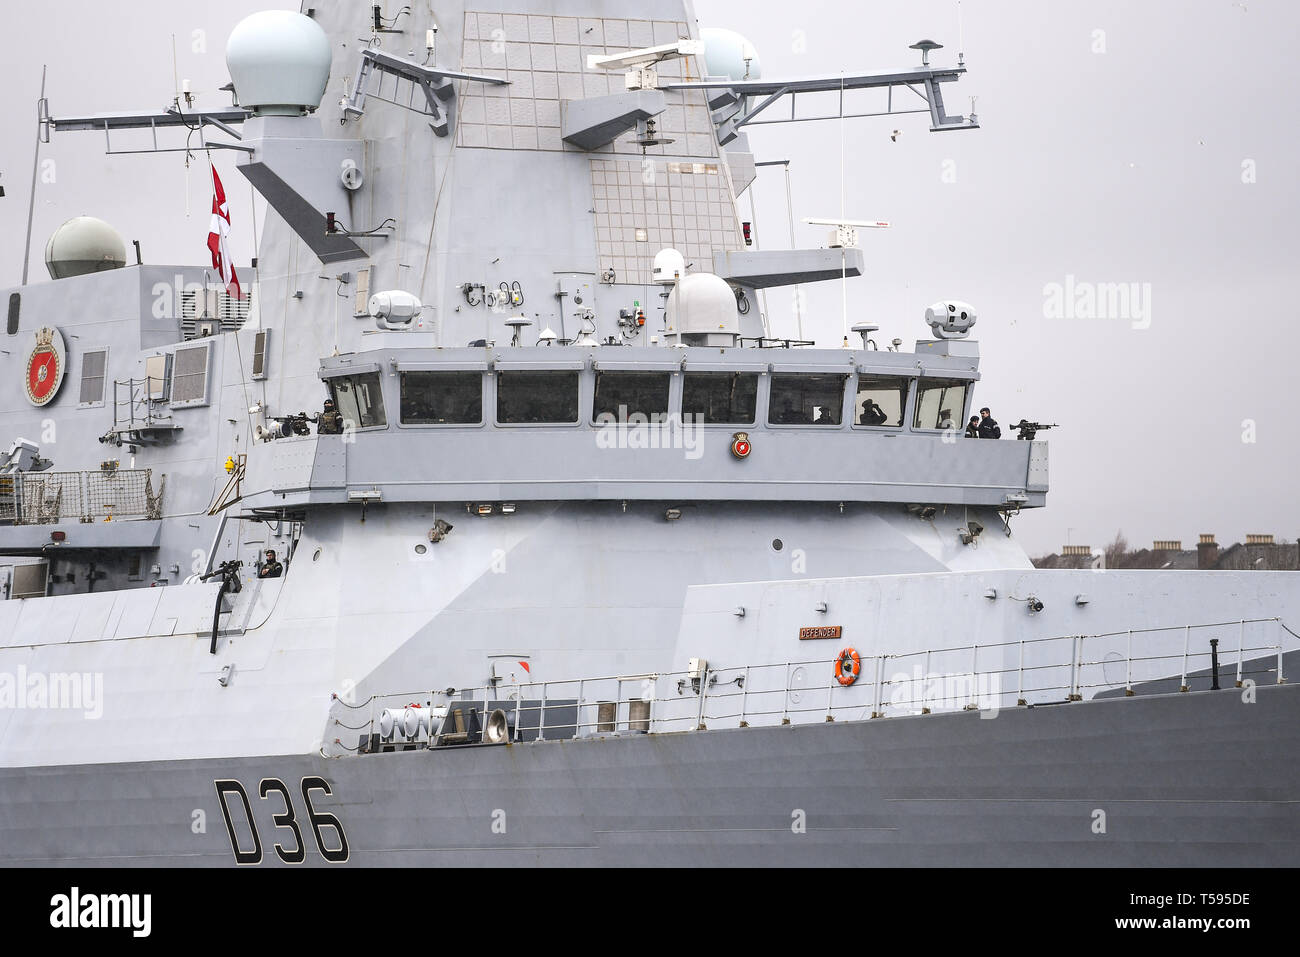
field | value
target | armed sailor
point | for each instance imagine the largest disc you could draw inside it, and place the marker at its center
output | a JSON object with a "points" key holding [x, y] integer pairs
{"points": [[329, 422], [271, 568]]}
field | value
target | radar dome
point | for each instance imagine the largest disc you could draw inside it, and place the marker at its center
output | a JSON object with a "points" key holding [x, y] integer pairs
{"points": [[84, 245], [669, 266], [279, 62], [702, 311], [725, 53]]}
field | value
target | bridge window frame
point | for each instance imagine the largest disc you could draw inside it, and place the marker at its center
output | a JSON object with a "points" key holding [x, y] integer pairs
{"points": [[373, 390], [908, 383], [651, 415], [506, 375], [936, 383], [779, 379], [735, 375], [464, 374]]}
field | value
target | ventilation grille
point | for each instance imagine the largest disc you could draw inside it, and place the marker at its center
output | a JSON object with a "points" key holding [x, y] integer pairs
{"points": [[606, 715], [190, 376], [30, 580], [259, 353], [638, 718], [93, 365], [219, 308]]}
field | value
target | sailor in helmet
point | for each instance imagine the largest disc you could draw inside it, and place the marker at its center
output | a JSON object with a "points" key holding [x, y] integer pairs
{"points": [[329, 422]]}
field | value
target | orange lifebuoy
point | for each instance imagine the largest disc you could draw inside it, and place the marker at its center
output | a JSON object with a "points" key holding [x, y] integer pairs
{"points": [[848, 666]]}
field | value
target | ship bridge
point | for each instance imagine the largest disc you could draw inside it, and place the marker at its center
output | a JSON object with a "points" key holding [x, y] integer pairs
{"points": [[671, 424]]}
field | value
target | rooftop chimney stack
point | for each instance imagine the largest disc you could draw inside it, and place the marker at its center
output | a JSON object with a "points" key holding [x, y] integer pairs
{"points": [[1207, 552]]}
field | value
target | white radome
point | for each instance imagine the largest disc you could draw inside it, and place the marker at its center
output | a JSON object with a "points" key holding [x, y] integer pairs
{"points": [[669, 266], [84, 245], [703, 304], [279, 62], [725, 53]]}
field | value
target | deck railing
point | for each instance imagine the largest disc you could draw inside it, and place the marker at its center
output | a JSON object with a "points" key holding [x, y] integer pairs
{"points": [[47, 498], [983, 677]]}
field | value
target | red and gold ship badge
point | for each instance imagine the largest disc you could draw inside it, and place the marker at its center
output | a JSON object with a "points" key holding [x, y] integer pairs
{"points": [[45, 366], [740, 446]]}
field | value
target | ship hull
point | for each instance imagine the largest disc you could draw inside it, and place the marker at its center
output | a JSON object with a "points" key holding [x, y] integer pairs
{"points": [[1196, 779]]}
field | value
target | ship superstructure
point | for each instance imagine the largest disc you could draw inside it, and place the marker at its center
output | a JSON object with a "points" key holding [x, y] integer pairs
{"points": [[503, 400]]}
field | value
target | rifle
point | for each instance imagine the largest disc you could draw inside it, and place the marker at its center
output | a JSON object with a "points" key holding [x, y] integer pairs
{"points": [[1029, 429]]}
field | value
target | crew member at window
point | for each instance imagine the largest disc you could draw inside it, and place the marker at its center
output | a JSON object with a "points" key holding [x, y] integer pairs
{"points": [[329, 422], [973, 427], [989, 428], [872, 414], [270, 568]]}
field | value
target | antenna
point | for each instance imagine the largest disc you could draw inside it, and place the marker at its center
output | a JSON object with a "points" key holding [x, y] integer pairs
{"points": [[640, 65], [961, 40], [42, 110], [925, 46], [176, 73]]}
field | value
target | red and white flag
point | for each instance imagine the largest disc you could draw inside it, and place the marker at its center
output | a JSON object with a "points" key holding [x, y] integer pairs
{"points": [[218, 234]]}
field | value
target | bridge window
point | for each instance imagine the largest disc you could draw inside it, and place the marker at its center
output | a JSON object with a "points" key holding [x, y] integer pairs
{"points": [[721, 398], [620, 395], [806, 399], [881, 401], [442, 398], [940, 404], [359, 400], [537, 397]]}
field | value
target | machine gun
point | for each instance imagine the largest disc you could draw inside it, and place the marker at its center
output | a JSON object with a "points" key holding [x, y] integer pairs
{"points": [[230, 583], [287, 425], [1029, 429]]}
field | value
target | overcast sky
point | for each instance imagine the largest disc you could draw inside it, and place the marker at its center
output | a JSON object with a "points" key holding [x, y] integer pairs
{"points": [[1116, 143]]}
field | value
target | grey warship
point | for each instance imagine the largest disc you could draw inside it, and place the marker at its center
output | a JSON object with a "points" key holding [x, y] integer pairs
{"points": [[583, 563]]}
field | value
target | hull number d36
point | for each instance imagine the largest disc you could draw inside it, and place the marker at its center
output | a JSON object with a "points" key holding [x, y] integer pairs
{"points": [[321, 821]]}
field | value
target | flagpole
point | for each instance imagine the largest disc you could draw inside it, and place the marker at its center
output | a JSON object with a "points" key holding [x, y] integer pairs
{"points": [[36, 164]]}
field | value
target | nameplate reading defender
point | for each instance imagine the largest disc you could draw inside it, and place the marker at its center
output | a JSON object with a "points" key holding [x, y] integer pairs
{"points": [[821, 631]]}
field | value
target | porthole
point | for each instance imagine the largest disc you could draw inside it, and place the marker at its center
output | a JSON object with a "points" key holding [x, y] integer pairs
{"points": [[777, 544], [315, 556], [421, 548]]}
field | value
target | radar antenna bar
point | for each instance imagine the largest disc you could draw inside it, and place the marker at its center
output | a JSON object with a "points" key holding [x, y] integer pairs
{"points": [[923, 82], [435, 82]]}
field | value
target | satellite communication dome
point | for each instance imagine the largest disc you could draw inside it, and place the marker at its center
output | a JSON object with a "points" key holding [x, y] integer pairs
{"points": [[725, 53], [703, 305], [84, 245], [669, 266], [279, 62]]}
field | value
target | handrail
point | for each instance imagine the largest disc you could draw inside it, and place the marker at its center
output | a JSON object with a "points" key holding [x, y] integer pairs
{"points": [[44, 498], [777, 693]]}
